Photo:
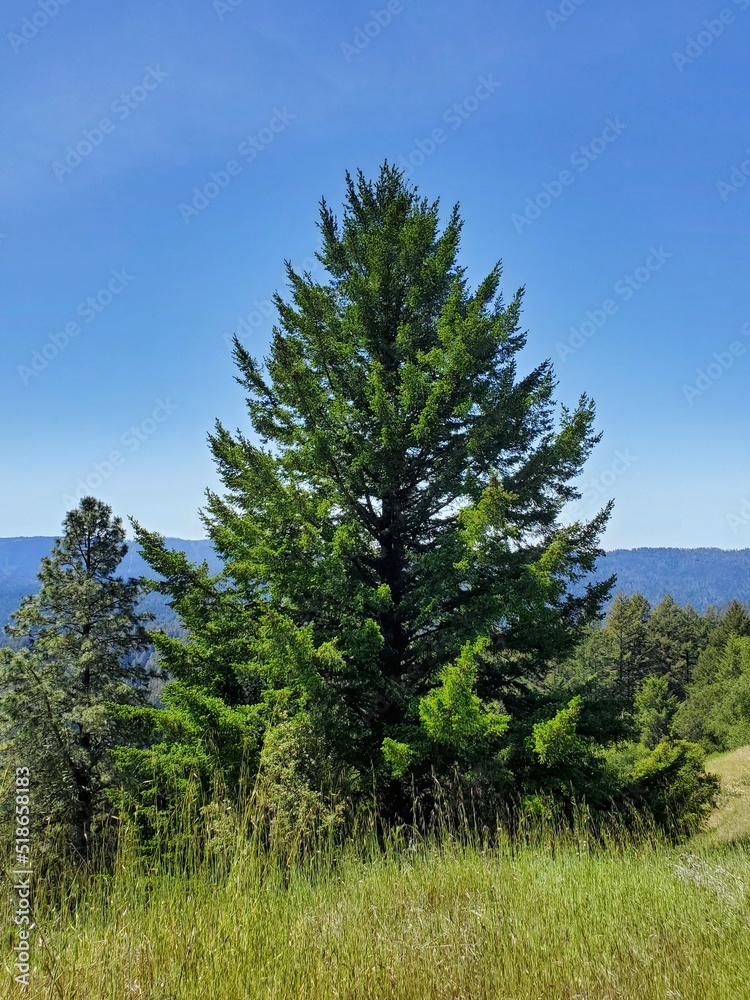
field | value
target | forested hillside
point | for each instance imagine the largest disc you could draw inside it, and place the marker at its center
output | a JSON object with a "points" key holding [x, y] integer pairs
{"points": [[20, 559], [699, 577]]}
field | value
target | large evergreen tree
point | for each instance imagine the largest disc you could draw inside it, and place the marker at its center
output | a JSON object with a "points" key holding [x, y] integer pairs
{"points": [[396, 559], [59, 690]]}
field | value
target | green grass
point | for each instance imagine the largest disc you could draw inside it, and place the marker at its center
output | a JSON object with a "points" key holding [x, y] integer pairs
{"points": [[550, 919]]}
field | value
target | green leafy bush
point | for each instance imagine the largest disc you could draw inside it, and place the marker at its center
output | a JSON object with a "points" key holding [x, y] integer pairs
{"points": [[672, 783]]}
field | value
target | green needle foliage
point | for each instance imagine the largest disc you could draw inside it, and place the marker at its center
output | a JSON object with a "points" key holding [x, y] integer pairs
{"points": [[391, 529], [62, 688]]}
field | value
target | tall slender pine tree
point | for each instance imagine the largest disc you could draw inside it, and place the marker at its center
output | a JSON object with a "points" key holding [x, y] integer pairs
{"points": [[60, 688]]}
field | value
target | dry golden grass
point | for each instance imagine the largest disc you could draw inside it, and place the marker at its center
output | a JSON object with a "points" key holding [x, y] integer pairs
{"points": [[730, 823]]}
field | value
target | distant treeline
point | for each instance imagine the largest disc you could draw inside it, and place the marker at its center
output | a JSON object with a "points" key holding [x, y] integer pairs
{"points": [[665, 673]]}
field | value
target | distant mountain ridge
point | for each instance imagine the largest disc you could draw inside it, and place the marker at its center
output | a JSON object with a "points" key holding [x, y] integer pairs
{"points": [[700, 577], [20, 559]]}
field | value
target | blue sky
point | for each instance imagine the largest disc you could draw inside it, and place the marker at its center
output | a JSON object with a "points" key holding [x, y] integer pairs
{"points": [[597, 149]]}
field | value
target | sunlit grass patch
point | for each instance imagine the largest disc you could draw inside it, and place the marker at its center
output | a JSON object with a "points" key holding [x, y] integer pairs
{"points": [[730, 822]]}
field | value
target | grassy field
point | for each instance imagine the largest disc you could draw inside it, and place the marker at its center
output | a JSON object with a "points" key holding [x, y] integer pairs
{"points": [[553, 919]]}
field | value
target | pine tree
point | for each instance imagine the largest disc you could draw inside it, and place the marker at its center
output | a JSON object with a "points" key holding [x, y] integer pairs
{"points": [[713, 711], [678, 635], [654, 709], [627, 621], [392, 529], [592, 671], [61, 688]]}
